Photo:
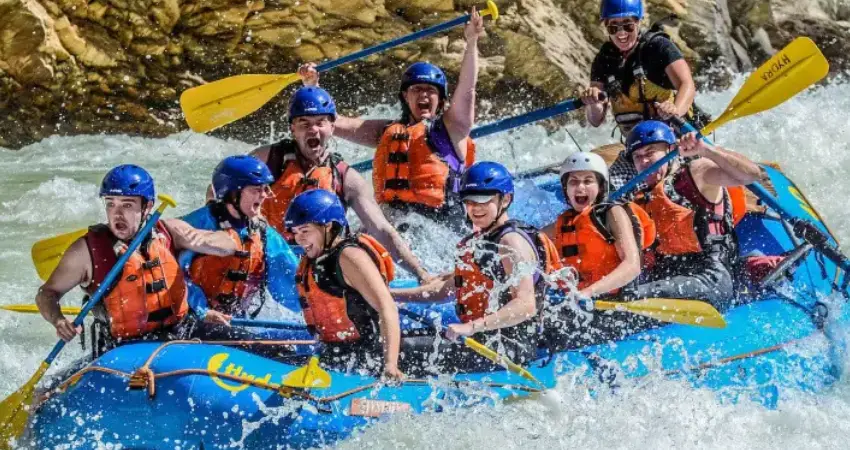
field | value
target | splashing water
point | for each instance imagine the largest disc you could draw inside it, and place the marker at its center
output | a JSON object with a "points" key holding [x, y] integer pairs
{"points": [[50, 188]]}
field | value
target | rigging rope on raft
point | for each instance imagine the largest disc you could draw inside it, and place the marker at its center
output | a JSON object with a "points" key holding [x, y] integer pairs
{"points": [[145, 377]]}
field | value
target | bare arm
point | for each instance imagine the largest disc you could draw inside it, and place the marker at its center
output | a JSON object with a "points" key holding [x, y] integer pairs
{"points": [[359, 196], [718, 167], [515, 249], [461, 114], [360, 131], [679, 74], [187, 237], [436, 290], [627, 248], [74, 269], [360, 273], [594, 109]]}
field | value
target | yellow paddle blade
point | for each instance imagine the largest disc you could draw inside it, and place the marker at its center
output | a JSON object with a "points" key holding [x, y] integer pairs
{"points": [[15, 409], [687, 312], [33, 309], [792, 69], [213, 105], [501, 360], [47, 253], [308, 377]]}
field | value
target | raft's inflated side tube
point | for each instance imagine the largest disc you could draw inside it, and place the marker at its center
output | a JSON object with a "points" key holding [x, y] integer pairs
{"points": [[754, 357]]}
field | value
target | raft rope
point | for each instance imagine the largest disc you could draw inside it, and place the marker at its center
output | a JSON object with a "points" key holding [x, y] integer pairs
{"points": [[145, 377]]}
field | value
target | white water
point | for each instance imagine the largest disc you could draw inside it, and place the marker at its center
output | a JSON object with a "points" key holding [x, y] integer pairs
{"points": [[50, 187]]}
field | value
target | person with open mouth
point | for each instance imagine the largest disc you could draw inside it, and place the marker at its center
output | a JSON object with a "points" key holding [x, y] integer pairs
{"points": [[305, 161], [602, 241], [421, 157]]}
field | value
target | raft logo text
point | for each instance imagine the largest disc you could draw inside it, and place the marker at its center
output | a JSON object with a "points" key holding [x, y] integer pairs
{"points": [[215, 364]]}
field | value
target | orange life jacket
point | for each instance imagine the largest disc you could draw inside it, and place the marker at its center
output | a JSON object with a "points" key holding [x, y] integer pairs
{"points": [[229, 281], [151, 293], [480, 267], [408, 170], [687, 223], [588, 245], [333, 310], [291, 179], [738, 198]]}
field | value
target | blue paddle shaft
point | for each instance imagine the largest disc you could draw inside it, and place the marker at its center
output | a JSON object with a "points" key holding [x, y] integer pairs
{"points": [[803, 228], [393, 43], [634, 182], [267, 324], [106, 285]]}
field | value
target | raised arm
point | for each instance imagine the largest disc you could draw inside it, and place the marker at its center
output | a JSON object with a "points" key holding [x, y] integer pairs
{"points": [[460, 117], [359, 196]]}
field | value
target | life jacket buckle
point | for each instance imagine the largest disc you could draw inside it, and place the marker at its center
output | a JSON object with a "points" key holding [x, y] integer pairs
{"points": [[156, 286], [148, 265], [237, 275], [397, 184], [227, 300], [401, 136], [398, 158], [458, 281], [241, 254], [568, 251]]}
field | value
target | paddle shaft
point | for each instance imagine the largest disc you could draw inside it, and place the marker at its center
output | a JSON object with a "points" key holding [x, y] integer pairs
{"points": [[802, 228], [507, 124], [266, 324], [107, 282], [434, 29]]}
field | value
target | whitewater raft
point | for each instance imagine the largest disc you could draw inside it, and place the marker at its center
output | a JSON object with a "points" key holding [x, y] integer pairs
{"points": [[783, 338]]}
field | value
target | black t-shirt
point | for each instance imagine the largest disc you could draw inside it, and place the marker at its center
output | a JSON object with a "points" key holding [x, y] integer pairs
{"points": [[656, 54]]}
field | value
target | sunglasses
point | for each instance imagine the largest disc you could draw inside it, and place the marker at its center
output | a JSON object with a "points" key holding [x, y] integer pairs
{"points": [[627, 27]]}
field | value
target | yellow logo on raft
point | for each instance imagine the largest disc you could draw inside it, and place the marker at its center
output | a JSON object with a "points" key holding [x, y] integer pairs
{"points": [[215, 364]]}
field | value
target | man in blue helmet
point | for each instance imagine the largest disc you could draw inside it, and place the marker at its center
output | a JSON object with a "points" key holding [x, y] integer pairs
{"points": [[696, 250], [225, 286], [149, 300], [497, 281], [305, 162], [643, 74], [421, 157]]}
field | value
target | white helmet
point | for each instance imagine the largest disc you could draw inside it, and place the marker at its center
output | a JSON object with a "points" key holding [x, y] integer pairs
{"points": [[579, 161]]}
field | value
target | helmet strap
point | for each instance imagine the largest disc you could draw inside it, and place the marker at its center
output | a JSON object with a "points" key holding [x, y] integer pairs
{"points": [[500, 210]]}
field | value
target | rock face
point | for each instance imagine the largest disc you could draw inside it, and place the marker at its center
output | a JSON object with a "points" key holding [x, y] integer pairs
{"points": [[118, 66]]}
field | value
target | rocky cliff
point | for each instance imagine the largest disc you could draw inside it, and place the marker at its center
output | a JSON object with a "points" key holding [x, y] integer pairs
{"points": [[118, 66]]}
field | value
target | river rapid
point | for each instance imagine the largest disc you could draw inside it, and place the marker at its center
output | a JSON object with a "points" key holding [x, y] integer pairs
{"points": [[50, 187]]}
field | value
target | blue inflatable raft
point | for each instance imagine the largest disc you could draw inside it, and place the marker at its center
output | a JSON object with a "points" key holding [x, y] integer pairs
{"points": [[216, 396]]}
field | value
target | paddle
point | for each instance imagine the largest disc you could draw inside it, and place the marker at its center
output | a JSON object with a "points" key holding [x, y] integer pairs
{"points": [[685, 312], [14, 410], [33, 309], [563, 107], [213, 105], [794, 68], [310, 376], [47, 253]]}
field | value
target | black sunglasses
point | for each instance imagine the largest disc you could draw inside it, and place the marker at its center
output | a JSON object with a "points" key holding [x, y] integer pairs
{"points": [[627, 27]]}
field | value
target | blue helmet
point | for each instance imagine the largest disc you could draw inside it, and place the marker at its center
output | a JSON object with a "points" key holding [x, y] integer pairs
{"points": [[649, 132], [237, 172], [315, 206], [128, 180], [311, 101], [426, 73], [486, 177], [616, 9]]}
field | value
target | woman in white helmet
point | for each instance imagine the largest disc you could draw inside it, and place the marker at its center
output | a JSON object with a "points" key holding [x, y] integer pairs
{"points": [[602, 241]]}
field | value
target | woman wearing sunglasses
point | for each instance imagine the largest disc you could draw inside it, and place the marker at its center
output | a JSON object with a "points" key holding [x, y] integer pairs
{"points": [[643, 74]]}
